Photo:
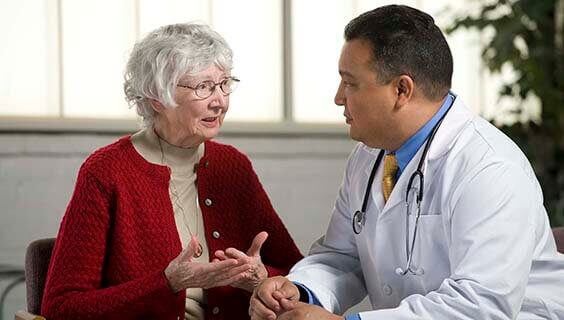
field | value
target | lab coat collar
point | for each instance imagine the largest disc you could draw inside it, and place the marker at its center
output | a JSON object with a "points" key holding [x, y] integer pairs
{"points": [[448, 133]]}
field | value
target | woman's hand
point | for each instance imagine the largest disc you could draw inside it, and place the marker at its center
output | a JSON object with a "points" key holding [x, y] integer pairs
{"points": [[183, 273], [257, 272]]}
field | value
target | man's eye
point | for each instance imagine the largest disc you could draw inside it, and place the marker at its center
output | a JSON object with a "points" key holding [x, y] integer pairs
{"points": [[348, 84]]}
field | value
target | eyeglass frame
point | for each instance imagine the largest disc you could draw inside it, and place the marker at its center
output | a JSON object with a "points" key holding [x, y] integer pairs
{"points": [[215, 84]]}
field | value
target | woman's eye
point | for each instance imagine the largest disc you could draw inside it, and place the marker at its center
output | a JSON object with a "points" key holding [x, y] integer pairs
{"points": [[202, 86]]}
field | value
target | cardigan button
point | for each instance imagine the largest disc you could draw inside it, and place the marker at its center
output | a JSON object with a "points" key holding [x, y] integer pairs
{"points": [[215, 311], [208, 202], [206, 163], [215, 235]]}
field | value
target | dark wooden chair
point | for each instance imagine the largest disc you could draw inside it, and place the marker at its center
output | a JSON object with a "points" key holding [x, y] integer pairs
{"points": [[559, 237], [37, 258]]}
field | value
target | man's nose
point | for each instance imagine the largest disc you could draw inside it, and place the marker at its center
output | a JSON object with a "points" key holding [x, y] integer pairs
{"points": [[340, 96]]}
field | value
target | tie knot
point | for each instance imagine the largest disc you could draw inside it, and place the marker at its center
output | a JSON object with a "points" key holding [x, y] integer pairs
{"points": [[389, 177]]}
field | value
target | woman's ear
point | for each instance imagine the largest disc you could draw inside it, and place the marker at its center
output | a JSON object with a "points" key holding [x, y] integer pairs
{"points": [[156, 105], [405, 88]]}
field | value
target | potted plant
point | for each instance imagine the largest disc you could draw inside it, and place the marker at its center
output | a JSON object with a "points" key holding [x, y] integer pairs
{"points": [[527, 35]]}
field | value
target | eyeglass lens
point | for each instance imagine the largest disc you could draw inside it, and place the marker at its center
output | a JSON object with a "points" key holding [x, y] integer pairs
{"points": [[206, 88]]}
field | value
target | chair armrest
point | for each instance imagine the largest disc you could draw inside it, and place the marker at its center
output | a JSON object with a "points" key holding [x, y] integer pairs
{"points": [[24, 315]]}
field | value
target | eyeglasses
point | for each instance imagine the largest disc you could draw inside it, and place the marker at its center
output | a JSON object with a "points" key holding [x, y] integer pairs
{"points": [[206, 88]]}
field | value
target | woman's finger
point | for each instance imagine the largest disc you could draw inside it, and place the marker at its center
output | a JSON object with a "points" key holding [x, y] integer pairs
{"points": [[219, 266], [228, 273], [229, 279], [236, 254], [220, 254], [223, 278], [186, 254], [257, 243]]}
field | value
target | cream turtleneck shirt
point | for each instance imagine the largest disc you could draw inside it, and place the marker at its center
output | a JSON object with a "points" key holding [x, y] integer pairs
{"points": [[184, 198]]}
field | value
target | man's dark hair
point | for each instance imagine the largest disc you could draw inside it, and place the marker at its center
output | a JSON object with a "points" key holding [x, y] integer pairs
{"points": [[406, 41]]}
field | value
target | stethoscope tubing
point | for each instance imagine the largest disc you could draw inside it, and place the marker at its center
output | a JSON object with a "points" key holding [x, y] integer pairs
{"points": [[360, 215]]}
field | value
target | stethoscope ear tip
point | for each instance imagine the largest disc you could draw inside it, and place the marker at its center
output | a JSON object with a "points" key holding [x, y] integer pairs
{"points": [[402, 272]]}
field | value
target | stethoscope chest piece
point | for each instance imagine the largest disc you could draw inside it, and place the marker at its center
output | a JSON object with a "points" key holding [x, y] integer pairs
{"points": [[358, 221]]}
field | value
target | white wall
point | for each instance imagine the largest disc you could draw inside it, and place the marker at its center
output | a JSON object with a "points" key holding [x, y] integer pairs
{"points": [[37, 173]]}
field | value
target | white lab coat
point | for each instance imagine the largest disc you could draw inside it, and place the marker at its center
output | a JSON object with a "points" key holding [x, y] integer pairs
{"points": [[484, 240]]}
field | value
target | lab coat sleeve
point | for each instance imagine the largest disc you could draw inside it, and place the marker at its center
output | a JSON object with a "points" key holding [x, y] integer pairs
{"points": [[491, 236], [332, 270]]}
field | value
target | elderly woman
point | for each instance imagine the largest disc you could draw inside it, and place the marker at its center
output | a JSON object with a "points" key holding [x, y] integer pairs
{"points": [[167, 224]]}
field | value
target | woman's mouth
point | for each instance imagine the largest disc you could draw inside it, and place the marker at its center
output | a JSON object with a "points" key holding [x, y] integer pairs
{"points": [[210, 122]]}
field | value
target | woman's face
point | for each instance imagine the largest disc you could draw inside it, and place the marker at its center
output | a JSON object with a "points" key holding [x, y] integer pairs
{"points": [[195, 119]]}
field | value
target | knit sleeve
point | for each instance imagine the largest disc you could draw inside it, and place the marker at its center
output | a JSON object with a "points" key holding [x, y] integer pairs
{"points": [[279, 253], [74, 287]]}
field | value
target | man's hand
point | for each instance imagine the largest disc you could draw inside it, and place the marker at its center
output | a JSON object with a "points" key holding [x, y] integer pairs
{"points": [[295, 310], [265, 301]]}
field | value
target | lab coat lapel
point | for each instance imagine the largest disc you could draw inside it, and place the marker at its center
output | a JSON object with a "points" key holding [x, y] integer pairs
{"points": [[456, 119]]}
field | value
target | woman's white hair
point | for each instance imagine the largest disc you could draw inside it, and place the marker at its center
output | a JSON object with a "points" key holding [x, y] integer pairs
{"points": [[165, 55]]}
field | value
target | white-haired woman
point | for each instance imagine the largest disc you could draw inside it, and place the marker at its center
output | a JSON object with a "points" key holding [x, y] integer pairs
{"points": [[167, 224]]}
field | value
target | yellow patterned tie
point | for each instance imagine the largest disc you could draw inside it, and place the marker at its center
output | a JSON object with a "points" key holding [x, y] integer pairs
{"points": [[389, 178]]}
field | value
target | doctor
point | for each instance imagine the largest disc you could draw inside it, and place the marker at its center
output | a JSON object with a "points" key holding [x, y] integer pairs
{"points": [[439, 215]]}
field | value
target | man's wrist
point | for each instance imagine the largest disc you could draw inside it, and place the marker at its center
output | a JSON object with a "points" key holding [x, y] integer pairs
{"points": [[304, 295]]}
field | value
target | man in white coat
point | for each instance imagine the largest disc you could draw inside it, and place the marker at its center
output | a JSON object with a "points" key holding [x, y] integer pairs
{"points": [[478, 244]]}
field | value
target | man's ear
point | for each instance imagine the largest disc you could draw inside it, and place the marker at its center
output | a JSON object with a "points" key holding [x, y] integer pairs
{"points": [[156, 105], [405, 88]]}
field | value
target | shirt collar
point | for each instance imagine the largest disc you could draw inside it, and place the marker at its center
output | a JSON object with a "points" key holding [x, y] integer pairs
{"points": [[407, 150]]}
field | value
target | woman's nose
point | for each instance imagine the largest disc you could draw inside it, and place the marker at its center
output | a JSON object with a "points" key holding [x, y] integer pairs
{"points": [[219, 99]]}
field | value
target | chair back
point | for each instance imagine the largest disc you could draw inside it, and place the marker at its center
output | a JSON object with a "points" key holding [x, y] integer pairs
{"points": [[559, 237], [37, 257]]}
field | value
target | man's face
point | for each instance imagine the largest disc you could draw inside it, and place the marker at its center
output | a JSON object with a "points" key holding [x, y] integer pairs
{"points": [[369, 105]]}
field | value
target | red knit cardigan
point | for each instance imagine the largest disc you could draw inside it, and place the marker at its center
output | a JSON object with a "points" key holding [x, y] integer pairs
{"points": [[118, 235]]}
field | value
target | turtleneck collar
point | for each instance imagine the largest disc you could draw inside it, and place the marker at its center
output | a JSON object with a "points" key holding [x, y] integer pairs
{"points": [[156, 150]]}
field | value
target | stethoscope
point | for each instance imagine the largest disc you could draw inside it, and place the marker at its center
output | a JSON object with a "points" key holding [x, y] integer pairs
{"points": [[359, 217]]}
